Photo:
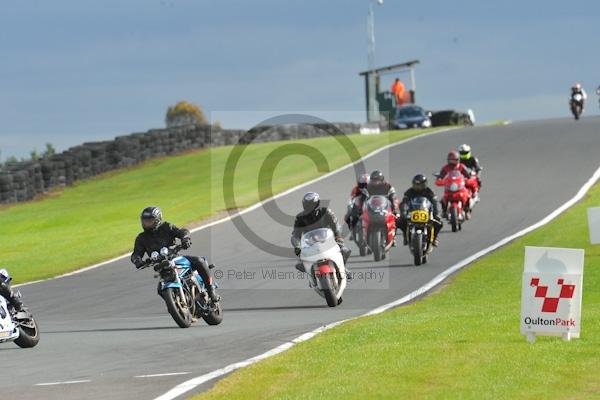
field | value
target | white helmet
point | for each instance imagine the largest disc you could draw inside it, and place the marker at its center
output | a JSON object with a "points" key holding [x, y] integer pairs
{"points": [[4, 276]]}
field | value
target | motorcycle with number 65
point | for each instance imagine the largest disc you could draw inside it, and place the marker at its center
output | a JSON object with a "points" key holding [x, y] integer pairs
{"points": [[183, 289]]}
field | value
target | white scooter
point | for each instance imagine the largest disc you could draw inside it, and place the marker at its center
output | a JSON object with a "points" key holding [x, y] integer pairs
{"points": [[20, 326], [324, 263]]}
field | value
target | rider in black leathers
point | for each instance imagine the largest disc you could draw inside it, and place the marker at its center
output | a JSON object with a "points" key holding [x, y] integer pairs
{"points": [[470, 161], [158, 234], [379, 186], [7, 293], [315, 217], [419, 188]]}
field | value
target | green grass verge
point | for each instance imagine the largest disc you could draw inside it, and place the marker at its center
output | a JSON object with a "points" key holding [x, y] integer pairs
{"points": [[461, 342], [98, 218]]}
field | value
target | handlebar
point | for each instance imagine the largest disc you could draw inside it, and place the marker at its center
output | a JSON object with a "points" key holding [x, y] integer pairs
{"points": [[173, 250]]}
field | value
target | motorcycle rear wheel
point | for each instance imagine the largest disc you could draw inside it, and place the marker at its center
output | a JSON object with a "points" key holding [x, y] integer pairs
{"points": [[28, 336], [214, 317]]}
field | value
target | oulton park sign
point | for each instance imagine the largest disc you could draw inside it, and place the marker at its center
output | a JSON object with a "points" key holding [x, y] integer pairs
{"points": [[551, 292]]}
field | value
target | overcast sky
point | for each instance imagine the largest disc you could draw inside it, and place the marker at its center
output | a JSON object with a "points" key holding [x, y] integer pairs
{"points": [[81, 70]]}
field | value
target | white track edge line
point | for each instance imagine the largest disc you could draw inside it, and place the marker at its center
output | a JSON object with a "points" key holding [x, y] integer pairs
{"points": [[195, 382], [164, 374], [252, 207], [62, 383]]}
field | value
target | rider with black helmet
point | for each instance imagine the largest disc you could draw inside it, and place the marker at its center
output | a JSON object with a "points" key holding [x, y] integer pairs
{"points": [[379, 186], [419, 188], [314, 217], [158, 234], [353, 213]]}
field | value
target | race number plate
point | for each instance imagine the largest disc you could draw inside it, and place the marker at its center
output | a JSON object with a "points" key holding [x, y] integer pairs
{"points": [[419, 216]]}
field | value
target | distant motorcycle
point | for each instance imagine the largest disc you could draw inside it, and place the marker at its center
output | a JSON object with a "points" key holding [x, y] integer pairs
{"points": [[456, 196], [576, 104], [17, 326], [379, 226], [420, 229], [183, 289], [323, 261]]}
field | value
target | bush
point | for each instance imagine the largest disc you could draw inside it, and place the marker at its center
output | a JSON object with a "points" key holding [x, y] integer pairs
{"points": [[184, 113]]}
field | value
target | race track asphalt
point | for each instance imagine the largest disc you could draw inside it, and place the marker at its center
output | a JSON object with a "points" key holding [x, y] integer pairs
{"points": [[107, 327]]}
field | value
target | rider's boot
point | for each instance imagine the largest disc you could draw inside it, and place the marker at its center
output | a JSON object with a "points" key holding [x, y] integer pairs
{"points": [[213, 294], [300, 266]]}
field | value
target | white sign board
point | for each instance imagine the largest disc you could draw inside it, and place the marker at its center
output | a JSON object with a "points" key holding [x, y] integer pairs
{"points": [[370, 129], [594, 224], [551, 292]]}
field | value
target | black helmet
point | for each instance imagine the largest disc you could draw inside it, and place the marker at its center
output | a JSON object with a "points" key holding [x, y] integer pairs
{"points": [[419, 182], [151, 218], [377, 176], [310, 202]]}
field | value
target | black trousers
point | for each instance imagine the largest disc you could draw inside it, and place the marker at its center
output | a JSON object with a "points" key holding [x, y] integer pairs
{"points": [[200, 265], [7, 293]]}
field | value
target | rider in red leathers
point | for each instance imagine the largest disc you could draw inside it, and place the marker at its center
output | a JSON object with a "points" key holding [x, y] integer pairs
{"points": [[454, 164]]}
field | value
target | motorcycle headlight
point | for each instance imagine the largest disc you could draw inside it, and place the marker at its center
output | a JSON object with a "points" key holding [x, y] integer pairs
{"points": [[154, 255], [454, 187], [164, 252]]}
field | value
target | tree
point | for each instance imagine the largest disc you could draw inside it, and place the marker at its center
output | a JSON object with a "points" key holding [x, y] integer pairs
{"points": [[34, 155], [184, 113], [49, 152]]}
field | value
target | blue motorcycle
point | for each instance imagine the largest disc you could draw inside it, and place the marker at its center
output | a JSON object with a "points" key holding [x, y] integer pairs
{"points": [[183, 289]]}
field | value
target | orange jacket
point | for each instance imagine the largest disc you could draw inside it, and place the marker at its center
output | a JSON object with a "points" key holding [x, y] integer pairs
{"points": [[398, 88]]}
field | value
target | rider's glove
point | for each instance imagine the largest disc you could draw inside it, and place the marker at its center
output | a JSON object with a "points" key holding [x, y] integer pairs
{"points": [[297, 250], [186, 242]]}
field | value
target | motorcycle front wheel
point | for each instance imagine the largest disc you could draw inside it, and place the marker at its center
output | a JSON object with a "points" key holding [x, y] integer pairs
{"points": [[177, 307], [454, 219], [417, 244], [377, 245], [326, 283]]}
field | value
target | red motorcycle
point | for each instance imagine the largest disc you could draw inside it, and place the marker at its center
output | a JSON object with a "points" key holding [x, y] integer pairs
{"points": [[379, 226], [458, 192]]}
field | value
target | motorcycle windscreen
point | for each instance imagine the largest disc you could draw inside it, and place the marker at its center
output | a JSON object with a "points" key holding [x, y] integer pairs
{"points": [[321, 239], [378, 203], [420, 203], [455, 181]]}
